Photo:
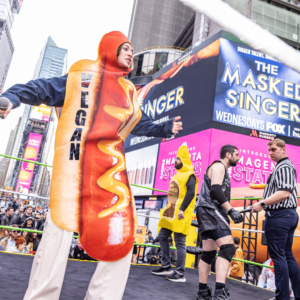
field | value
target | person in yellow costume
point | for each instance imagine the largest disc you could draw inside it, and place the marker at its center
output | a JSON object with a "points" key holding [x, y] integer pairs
{"points": [[177, 216]]}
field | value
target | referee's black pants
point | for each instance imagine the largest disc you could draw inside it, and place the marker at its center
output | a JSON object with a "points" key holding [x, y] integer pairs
{"points": [[280, 226]]}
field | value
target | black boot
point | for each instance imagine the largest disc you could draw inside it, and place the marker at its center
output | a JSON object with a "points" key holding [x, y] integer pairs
{"points": [[221, 294], [204, 294]]}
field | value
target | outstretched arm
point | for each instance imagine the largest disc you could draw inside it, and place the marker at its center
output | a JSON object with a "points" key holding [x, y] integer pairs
{"points": [[145, 127], [36, 92]]}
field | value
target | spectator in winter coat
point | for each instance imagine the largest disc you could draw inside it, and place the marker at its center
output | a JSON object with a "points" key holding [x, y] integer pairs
{"points": [[20, 246], [236, 269], [29, 223], [9, 218], [9, 240], [27, 214], [41, 222], [14, 204]]}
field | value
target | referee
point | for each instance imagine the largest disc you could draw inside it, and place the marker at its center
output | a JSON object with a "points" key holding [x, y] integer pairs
{"points": [[280, 203]]}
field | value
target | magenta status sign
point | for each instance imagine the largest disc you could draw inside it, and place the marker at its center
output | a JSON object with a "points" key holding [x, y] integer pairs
{"points": [[27, 169], [252, 170]]}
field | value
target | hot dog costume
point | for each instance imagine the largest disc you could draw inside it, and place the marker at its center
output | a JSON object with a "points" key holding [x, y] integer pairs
{"points": [[90, 193], [97, 199]]}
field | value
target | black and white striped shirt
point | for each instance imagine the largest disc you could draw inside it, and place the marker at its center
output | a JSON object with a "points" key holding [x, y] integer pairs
{"points": [[283, 178]]}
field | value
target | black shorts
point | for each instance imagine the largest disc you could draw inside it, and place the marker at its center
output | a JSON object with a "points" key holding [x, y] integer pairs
{"points": [[215, 234]]}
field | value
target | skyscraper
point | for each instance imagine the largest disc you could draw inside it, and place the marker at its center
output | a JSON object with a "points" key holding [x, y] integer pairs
{"points": [[52, 62], [8, 9], [8, 151], [157, 22]]}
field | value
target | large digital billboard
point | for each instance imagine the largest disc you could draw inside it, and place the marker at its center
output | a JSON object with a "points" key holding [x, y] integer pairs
{"points": [[225, 93], [187, 90], [42, 113], [27, 169], [256, 91]]}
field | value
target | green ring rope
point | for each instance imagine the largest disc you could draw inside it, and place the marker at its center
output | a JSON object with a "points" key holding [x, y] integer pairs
{"points": [[138, 244], [143, 187]]}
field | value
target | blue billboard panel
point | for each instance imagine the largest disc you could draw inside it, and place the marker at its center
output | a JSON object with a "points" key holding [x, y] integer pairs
{"points": [[256, 91]]}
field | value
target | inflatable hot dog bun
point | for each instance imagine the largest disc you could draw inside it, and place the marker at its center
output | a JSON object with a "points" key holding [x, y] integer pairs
{"points": [[257, 186], [90, 192]]}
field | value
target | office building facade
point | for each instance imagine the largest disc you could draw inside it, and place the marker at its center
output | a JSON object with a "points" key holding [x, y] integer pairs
{"points": [[8, 9], [157, 22], [52, 62], [280, 17]]}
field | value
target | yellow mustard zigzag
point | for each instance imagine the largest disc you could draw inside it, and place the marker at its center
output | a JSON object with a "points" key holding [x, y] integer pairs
{"points": [[108, 181]]}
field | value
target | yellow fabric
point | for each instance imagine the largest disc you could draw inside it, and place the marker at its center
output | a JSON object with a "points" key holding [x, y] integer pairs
{"points": [[237, 267], [177, 192]]}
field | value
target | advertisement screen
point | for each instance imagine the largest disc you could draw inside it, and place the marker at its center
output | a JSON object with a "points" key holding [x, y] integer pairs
{"points": [[186, 90], [255, 164], [27, 169], [255, 91], [141, 165], [42, 113], [199, 146]]}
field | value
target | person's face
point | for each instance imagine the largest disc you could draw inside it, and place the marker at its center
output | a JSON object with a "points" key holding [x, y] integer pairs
{"points": [[22, 246], [14, 233], [2, 211], [29, 222], [178, 163], [125, 56], [21, 209], [34, 235], [29, 211], [233, 158], [150, 235], [10, 212], [14, 199], [4, 198], [45, 215], [24, 234], [276, 153]]}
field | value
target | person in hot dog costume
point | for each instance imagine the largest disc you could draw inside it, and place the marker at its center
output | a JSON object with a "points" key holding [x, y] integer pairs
{"points": [[90, 191], [177, 217]]}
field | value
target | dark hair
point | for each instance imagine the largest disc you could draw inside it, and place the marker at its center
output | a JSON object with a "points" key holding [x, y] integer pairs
{"points": [[9, 208], [237, 240], [227, 148], [149, 232]]}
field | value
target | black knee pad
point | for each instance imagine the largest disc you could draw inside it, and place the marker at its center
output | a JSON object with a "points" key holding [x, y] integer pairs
{"points": [[227, 251], [208, 256]]}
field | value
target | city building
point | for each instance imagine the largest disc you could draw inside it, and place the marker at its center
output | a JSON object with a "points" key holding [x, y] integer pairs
{"points": [[5, 161], [8, 9], [52, 62], [151, 60], [282, 18], [157, 22]]}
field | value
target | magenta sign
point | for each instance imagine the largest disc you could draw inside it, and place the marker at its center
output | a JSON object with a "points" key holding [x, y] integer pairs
{"points": [[27, 169], [198, 144], [254, 166]]}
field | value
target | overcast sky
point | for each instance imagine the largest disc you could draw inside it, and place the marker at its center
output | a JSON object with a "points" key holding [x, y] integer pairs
{"points": [[73, 24]]}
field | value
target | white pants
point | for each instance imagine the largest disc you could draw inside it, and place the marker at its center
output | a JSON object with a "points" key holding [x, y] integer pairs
{"points": [[49, 266]]}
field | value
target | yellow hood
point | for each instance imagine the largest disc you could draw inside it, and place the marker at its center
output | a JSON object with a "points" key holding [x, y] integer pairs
{"points": [[183, 154]]}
